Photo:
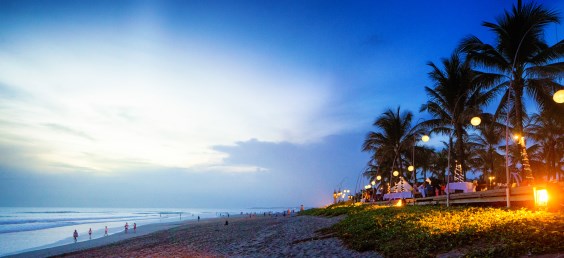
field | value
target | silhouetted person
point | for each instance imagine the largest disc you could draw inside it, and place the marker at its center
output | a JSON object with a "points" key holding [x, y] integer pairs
{"points": [[75, 235], [90, 233], [134, 227], [198, 218], [106, 231], [226, 222], [126, 227]]}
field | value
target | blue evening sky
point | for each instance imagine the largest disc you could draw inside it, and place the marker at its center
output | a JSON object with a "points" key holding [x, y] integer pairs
{"points": [[210, 103]]}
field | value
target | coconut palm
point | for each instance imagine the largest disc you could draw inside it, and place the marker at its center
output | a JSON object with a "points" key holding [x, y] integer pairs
{"points": [[521, 54], [372, 171], [393, 137], [547, 130], [439, 164], [423, 160], [458, 94], [485, 157]]}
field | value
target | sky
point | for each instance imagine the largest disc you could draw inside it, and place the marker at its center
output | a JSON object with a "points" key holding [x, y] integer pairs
{"points": [[210, 104]]}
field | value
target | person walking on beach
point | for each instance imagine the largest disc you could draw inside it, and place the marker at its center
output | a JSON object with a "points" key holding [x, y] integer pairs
{"points": [[75, 235], [90, 234], [134, 227], [198, 218], [106, 231], [126, 227]]}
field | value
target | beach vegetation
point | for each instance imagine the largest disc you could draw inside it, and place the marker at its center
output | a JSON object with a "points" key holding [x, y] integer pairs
{"points": [[425, 231]]}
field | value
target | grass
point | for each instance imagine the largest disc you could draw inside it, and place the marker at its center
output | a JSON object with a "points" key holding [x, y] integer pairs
{"points": [[425, 231]]}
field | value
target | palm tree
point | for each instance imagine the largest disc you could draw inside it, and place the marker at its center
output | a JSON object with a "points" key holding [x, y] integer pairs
{"points": [[372, 171], [423, 159], [439, 163], [547, 130], [522, 56], [458, 94], [394, 133], [485, 157]]}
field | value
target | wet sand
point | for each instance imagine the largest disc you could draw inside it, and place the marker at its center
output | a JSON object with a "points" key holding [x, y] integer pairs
{"points": [[243, 237]]}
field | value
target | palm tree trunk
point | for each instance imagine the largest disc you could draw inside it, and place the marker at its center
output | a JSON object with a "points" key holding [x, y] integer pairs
{"points": [[460, 150], [518, 89], [551, 160], [491, 158]]}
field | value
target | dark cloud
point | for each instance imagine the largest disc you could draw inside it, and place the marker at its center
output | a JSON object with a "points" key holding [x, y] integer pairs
{"points": [[297, 174]]}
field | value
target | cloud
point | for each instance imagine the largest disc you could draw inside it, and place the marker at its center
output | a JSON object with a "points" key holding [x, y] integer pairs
{"points": [[70, 131], [321, 167], [297, 174], [236, 169], [105, 104]]}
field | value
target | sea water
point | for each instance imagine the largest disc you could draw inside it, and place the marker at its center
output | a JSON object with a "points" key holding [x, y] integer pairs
{"points": [[26, 229]]}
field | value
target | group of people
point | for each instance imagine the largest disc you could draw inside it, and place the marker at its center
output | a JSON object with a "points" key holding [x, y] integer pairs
{"points": [[134, 227], [75, 234], [427, 189]]}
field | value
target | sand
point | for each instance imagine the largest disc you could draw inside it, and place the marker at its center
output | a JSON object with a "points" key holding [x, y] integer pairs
{"points": [[243, 237], [97, 242]]}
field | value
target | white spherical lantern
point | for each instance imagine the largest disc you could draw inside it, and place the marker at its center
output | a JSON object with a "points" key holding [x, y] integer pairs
{"points": [[558, 96], [425, 138], [410, 168], [378, 178], [475, 121], [396, 173]]}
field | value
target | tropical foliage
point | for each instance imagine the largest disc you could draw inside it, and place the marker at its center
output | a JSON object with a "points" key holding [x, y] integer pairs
{"points": [[457, 96], [522, 56], [391, 143], [521, 67]]}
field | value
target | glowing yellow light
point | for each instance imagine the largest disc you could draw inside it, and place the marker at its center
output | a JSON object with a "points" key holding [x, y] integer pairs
{"points": [[396, 173], [425, 138], [541, 197], [378, 178], [373, 182], [400, 203], [475, 121], [410, 168], [516, 137], [558, 96]]}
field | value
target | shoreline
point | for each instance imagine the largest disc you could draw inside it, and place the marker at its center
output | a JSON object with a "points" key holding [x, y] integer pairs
{"points": [[258, 236], [107, 240]]}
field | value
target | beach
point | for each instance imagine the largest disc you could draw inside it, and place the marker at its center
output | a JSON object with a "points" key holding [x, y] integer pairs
{"points": [[258, 236], [25, 229]]}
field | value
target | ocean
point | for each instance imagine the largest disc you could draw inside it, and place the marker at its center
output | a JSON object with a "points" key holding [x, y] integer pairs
{"points": [[27, 229]]}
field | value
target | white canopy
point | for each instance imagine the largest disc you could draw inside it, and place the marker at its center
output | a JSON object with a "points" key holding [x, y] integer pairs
{"points": [[402, 186]]}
